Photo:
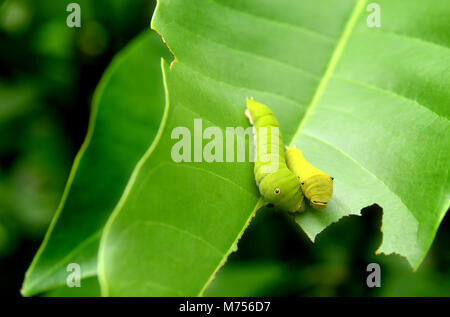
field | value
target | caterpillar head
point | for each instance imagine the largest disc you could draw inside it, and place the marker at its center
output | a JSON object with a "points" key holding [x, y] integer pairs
{"points": [[319, 189], [282, 190]]}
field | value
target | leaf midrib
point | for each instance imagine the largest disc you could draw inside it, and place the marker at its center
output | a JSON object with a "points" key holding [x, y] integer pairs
{"points": [[332, 65], [107, 228]]}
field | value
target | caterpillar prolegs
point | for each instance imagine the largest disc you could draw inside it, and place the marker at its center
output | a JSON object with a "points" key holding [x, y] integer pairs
{"points": [[277, 184]]}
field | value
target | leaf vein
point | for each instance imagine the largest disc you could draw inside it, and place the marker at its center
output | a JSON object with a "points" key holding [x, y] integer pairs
{"points": [[251, 54], [186, 232], [407, 37], [280, 23], [386, 92], [242, 88]]}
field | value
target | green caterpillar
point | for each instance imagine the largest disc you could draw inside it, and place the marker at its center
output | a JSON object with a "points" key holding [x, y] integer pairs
{"points": [[277, 184], [316, 185]]}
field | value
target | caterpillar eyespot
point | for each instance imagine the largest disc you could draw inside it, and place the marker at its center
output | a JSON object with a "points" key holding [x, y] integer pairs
{"points": [[279, 186], [317, 186]]}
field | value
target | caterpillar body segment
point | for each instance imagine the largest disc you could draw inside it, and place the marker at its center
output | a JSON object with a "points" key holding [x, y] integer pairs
{"points": [[277, 184], [282, 189], [316, 185]]}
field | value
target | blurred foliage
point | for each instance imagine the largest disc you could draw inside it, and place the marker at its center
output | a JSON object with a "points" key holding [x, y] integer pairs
{"points": [[47, 75]]}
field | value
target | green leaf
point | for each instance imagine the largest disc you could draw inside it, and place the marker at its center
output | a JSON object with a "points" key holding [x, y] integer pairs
{"points": [[88, 288], [367, 105], [176, 222], [127, 109]]}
